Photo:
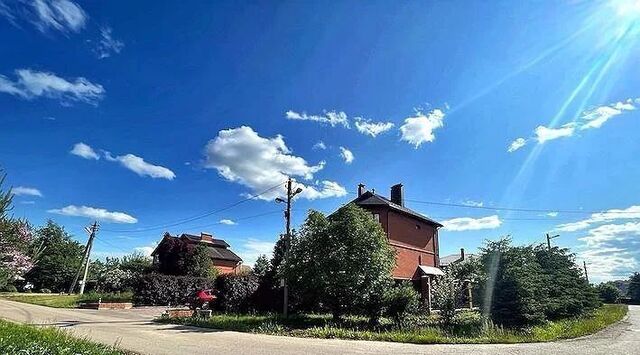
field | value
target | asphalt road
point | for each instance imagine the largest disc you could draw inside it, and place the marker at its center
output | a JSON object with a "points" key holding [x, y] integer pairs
{"points": [[134, 330]]}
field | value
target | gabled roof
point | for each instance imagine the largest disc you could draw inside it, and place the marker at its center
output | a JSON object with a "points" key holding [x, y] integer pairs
{"points": [[454, 258], [217, 248], [371, 199]]}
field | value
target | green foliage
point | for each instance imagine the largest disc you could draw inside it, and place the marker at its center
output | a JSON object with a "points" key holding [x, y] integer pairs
{"points": [[26, 339], [568, 294], [447, 290], [633, 291], [236, 292], [198, 263], [512, 284], [5, 277], [49, 300], [159, 289], [118, 275], [261, 266], [467, 327], [344, 261], [55, 268], [6, 198], [8, 288], [608, 292], [45, 290], [401, 301], [115, 297]]}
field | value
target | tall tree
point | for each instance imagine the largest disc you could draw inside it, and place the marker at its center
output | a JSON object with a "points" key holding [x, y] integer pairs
{"points": [[634, 287], [198, 263], [344, 260], [261, 266], [60, 260]]}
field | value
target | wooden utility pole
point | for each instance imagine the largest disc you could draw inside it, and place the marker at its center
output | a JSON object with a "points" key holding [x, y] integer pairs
{"points": [[287, 241], [586, 275], [85, 258], [549, 240]]}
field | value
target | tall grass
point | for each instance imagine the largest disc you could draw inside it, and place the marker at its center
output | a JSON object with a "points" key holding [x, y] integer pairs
{"points": [[468, 328], [25, 339]]}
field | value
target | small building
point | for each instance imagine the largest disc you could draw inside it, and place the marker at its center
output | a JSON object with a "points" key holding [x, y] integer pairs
{"points": [[225, 260], [448, 260], [413, 236]]}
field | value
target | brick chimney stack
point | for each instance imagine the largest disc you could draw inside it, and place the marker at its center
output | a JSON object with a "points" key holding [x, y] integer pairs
{"points": [[397, 194], [361, 189], [206, 237]]}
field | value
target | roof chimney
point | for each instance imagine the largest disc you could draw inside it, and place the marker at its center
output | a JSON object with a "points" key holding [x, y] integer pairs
{"points": [[462, 254], [206, 237], [361, 189], [397, 194]]}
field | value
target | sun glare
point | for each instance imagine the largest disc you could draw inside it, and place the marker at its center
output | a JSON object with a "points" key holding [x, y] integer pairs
{"points": [[629, 9]]}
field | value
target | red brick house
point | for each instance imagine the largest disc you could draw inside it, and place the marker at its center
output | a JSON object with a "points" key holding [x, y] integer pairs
{"points": [[413, 236], [225, 260]]}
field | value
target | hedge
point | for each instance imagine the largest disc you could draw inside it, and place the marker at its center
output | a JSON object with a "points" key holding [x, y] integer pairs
{"points": [[236, 293], [159, 290]]}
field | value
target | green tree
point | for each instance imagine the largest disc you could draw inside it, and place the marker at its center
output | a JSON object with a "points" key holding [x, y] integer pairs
{"points": [[198, 263], [60, 260], [633, 291], [136, 262], [447, 290], [261, 266], [608, 292], [344, 260], [568, 292], [512, 284]]}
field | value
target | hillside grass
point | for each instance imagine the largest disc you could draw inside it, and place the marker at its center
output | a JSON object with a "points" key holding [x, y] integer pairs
{"points": [[26, 339], [66, 301], [468, 330]]}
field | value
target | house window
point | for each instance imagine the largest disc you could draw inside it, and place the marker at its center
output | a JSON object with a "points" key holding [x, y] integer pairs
{"points": [[376, 216], [418, 226]]}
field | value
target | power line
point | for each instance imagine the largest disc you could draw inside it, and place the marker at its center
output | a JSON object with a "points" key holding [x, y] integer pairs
{"points": [[191, 219]]}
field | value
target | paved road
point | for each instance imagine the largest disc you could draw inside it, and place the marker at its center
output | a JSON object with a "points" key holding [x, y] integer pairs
{"points": [[135, 330]]}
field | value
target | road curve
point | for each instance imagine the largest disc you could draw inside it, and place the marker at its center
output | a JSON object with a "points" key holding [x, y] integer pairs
{"points": [[135, 330]]}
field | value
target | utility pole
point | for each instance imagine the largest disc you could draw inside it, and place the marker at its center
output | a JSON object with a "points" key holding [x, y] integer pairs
{"points": [[85, 258], [549, 240], [287, 241], [586, 275]]}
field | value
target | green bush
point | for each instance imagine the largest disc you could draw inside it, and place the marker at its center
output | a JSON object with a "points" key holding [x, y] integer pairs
{"points": [[158, 289], [400, 301], [45, 290], [9, 288], [608, 293], [115, 297], [236, 292]]}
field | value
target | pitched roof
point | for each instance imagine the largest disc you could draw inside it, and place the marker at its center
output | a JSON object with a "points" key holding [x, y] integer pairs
{"points": [[454, 258], [371, 199], [217, 248]]}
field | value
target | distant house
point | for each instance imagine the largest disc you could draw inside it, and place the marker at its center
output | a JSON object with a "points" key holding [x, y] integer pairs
{"points": [[448, 260], [225, 260], [413, 236]]}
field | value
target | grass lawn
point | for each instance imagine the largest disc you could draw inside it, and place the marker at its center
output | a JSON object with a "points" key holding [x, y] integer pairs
{"points": [[26, 339], [65, 301], [469, 327]]}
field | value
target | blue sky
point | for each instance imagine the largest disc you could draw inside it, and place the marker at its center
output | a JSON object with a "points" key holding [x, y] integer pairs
{"points": [[160, 118]]}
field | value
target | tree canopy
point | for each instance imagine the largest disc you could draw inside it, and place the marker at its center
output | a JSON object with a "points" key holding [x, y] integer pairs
{"points": [[344, 261]]}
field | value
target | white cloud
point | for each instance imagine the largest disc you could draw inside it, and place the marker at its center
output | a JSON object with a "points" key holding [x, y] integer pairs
{"points": [[141, 167], [108, 45], [347, 155], [228, 222], [367, 127], [544, 134], [320, 145], [552, 214], [469, 223], [632, 212], [94, 213], [419, 129], [612, 251], [61, 15], [84, 151], [31, 84], [253, 248], [333, 118], [589, 119], [26, 191], [473, 203], [517, 144], [241, 155], [146, 251]]}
